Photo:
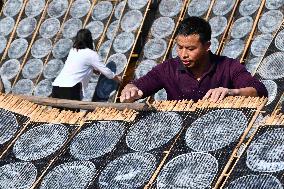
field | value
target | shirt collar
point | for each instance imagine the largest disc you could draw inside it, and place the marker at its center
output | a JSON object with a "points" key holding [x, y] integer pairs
{"points": [[212, 58]]}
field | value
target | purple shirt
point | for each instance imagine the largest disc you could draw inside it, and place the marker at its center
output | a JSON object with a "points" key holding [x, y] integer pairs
{"points": [[180, 83]]}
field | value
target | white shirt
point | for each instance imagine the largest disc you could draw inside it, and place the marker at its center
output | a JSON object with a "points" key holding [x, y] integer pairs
{"points": [[79, 68]]}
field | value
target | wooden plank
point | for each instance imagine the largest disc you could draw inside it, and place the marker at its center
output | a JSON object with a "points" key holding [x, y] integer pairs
{"points": [[54, 102]]}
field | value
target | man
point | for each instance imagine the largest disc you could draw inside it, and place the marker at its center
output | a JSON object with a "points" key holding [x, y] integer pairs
{"points": [[196, 73]]}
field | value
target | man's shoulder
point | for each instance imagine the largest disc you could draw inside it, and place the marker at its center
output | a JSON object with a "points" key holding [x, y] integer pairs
{"points": [[171, 62], [225, 61]]}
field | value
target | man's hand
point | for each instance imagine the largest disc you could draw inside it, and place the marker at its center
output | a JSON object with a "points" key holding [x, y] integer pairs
{"points": [[219, 94], [130, 93]]}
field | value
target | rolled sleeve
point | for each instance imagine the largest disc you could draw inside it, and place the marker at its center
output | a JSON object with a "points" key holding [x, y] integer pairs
{"points": [[98, 65], [151, 82]]}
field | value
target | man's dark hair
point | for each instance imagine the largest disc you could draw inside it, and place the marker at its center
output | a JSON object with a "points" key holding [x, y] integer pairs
{"points": [[195, 25], [83, 39]]}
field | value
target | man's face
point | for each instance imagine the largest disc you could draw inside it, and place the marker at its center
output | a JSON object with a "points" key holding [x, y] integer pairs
{"points": [[190, 49]]}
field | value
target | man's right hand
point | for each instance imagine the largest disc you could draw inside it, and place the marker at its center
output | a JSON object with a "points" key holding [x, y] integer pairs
{"points": [[130, 93]]}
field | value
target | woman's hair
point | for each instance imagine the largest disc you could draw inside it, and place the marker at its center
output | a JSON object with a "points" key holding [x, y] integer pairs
{"points": [[195, 25], [83, 40]]}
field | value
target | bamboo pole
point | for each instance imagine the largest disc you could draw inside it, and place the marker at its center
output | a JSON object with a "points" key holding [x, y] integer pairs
{"points": [[54, 102]]}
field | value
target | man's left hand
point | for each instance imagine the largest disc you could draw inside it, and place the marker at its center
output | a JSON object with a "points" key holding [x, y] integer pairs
{"points": [[218, 94]]}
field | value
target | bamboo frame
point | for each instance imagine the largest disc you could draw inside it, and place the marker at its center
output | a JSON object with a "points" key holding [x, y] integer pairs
{"points": [[55, 39], [225, 33], [265, 54], [181, 16], [274, 119], [249, 39], [132, 50], [229, 166], [115, 33], [2, 3], [23, 63], [106, 27], [13, 32], [249, 54], [125, 73]]}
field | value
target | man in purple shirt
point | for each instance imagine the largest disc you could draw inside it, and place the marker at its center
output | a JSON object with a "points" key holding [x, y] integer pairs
{"points": [[196, 73]]}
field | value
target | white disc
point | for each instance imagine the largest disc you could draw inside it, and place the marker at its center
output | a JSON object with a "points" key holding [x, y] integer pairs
{"points": [[12, 7], [8, 126], [119, 9], [155, 48], [18, 48], [162, 27], [260, 181], [242, 27], [62, 48], [270, 21], [252, 64], [271, 87], [144, 67], [7, 25], [96, 140], [57, 8], [49, 28], [7, 85], [117, 63], [104, 49], [32, 68], [40, 142], [70, 175], [174, 51], [137, 4], [132, 170], [131, 20], [265, 153], [3, 43], [52, 68], [123, 42], [272, 66], [34, 7], [222, 7], [248, 7], [10, 68], [153, 131], [26, 27], [279, 41], [41, 48], [102, 10], [218, 25], [89, 92], [80, 8], [260, 44], [273, 4], [17, 175], [170, 8], [216, 130], [71, 27], [43, 88], [198, 7], [112, 29], [23, 87], [214, 45], [161, 95], [234, 48], [96, 28], [192, 170]]}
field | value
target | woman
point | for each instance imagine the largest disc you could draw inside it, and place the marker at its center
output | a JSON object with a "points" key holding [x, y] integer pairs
{"points": [[82, 60]]}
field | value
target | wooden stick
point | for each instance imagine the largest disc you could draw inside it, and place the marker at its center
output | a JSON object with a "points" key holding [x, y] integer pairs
{"points": [[54, 102]]}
